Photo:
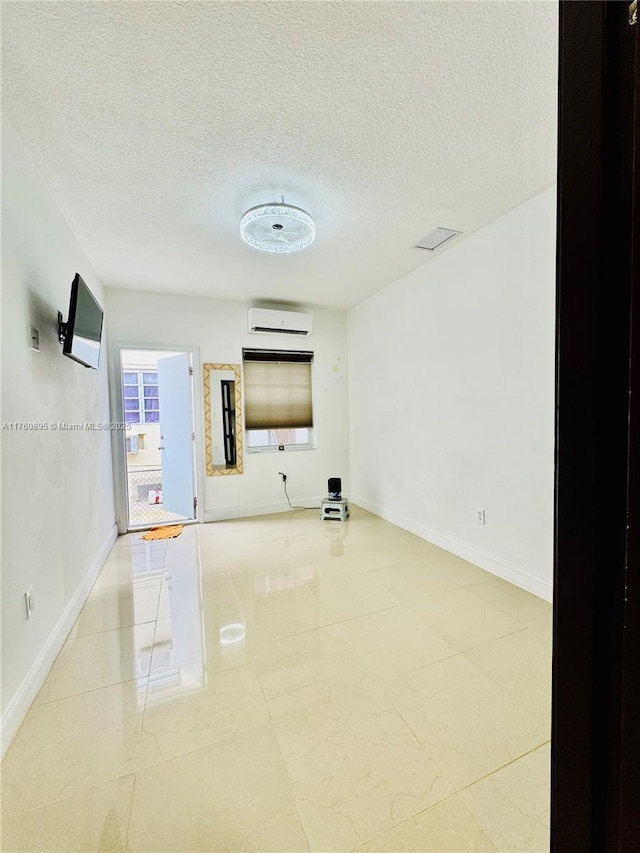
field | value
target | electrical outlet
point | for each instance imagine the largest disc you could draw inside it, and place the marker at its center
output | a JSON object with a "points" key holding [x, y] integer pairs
{"points": [[28, 601], [34, 336], [480, 516]]}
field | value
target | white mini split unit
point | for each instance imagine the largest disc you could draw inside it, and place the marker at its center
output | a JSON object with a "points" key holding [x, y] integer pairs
{"points": [[266, 321]]}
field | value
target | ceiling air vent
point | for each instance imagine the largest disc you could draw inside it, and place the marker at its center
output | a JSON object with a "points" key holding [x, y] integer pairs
{"points": [[436, 238]]}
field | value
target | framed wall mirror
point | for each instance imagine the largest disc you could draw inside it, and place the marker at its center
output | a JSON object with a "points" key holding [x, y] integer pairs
{"points": [[222, 419]]}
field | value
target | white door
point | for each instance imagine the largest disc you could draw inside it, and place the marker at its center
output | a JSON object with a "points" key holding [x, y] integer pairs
{"points": [[176, 435]]}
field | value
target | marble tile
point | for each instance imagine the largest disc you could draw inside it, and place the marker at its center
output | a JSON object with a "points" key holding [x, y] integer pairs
{"points": [[307, 670], [536, 612], [178, 641], [146, 594], [135, 543], [198, 709], [396, 636], [105, 613], [310, 549], [356, 770], [294, 523], [214, 633], [423, 578], [67, 746], [371, 530], [94, 819], [467, 724], [243, 563], [185, 588], [447, 827], [134, 550], [217, 589], [98, 660], [335, 545], [180, 595], [466, 617], [227, 533], [232, 796], [512, 805], [125, 540], [281, 613], [545, 632], [341, 598], [258, 581], [182, 557], [282, 683], [520, 664], [298, 550], [115, 577], [342, 557]]}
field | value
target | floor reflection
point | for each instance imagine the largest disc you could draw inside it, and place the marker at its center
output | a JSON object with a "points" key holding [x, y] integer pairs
{"points": [[347, 685], [171, 651], [232, 634], [280, 581], [336, 532]]}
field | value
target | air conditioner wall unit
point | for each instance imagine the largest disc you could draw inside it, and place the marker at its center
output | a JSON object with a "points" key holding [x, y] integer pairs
{"points": [[266, 321]]}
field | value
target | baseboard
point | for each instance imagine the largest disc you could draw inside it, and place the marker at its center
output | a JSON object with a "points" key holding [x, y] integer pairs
{"points": [[28, 690], [489, 562], [261, 509]]}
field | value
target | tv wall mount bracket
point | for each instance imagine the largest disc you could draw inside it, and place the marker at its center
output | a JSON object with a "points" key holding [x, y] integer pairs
{"points": [[63, 328]]}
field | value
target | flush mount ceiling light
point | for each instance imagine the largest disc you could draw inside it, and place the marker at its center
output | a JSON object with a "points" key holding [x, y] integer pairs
{"points": [[277, 228]]}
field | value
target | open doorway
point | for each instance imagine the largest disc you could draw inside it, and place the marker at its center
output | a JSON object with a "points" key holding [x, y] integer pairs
{"points": [[158, 408]]}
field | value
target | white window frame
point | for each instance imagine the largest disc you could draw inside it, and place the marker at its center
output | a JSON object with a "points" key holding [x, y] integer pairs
{"points": [[275, 448], [141, 398]]}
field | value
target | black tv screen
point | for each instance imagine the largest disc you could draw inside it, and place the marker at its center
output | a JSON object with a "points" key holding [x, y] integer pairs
{"points": [[84, 326]]}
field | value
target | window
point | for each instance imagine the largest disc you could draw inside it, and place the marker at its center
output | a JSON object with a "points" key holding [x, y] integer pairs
{"points": [[277, 438], [278, 398], [141, 403], [132, 444]]}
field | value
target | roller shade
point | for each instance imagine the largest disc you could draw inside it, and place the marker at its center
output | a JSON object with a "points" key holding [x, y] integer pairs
{"points": [[277, 389]]}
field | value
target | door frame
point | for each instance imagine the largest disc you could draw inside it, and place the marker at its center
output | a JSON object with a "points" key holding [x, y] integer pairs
{"points": [[118, 436], [595, 752]]}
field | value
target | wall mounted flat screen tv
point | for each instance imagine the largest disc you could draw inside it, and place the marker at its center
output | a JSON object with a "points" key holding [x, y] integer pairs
{"points": [[82, 333]]}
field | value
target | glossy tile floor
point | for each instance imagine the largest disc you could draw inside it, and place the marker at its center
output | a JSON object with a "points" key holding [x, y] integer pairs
{"points": [[286, 684]]}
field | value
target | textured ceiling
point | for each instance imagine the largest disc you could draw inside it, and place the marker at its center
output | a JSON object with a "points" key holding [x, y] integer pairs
{"points": [[157, 124]]}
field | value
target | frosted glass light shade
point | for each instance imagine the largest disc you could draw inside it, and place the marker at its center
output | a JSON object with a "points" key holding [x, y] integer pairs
{"points": [[277, 228]]}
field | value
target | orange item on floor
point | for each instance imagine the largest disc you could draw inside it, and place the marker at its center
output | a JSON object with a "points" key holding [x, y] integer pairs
{"points": [[169, 532]]}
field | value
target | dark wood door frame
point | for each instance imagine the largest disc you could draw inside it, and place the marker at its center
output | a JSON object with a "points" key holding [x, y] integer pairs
{"points": [[596, 670]]}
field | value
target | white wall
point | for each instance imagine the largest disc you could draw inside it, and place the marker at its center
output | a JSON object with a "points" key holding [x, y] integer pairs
{"points": [[57, 496], [218, 329], [451, 380]]}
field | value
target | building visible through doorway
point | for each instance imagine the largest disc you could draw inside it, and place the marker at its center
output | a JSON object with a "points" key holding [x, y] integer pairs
{"points": [[144, 438]]}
